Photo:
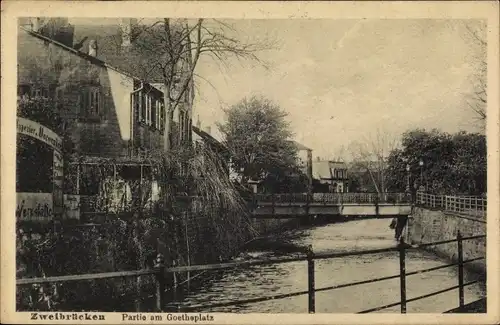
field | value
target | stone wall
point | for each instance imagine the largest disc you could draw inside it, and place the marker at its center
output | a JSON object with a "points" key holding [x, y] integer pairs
{"points": [[426, 226]]}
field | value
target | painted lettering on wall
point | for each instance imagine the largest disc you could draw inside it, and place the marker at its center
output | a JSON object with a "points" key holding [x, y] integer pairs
{"points": [[40, 132], [34, 206]]}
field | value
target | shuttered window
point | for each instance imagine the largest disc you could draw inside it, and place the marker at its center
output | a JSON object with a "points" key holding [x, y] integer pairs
{"points": [[91, 102]]}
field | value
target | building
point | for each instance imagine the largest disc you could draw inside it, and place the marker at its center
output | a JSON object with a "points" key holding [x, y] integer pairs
{"points": [[333, 174], [304, 157], [205, 138], [113, 112]]}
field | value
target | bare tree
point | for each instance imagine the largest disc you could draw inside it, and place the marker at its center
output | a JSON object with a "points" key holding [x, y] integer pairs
{"points": [[371, 154], [477, 97], [339, 154], [171, 49]]}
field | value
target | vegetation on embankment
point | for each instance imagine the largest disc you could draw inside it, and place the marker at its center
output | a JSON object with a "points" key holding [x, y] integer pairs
{"points": [[205, 226]]}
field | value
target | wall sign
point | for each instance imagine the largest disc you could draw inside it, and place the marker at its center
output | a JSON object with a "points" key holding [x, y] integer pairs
{"points": [[37, 206], [40, 132]]}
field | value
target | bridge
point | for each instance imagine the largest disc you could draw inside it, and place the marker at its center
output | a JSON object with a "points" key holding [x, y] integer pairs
{"points": [[361, 205]]}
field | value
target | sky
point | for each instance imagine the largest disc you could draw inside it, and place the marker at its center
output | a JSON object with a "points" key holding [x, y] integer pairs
{"points": [[342, 80]]}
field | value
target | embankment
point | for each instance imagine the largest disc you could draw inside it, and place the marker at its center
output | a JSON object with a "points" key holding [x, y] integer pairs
{"points": [[120, 245], [264, 226], [426, 225]]}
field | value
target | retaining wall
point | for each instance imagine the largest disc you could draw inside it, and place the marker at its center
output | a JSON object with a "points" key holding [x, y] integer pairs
{"points": [[426, 225]]}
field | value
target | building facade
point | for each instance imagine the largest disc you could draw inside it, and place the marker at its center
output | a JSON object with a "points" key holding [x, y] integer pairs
{"points": [[333, 174], [304, 160], [112, 116]]}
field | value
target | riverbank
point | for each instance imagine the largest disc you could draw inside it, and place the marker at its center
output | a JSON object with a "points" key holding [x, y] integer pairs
{"points": [[427, 225], [120, 246]]}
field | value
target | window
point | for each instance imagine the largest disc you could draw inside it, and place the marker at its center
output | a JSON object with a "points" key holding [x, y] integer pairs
{"points": [[154, 109], [91, 102], [181, 126], [148, 109], [159, 115], [142, 112], [162, 116], [184, 127], [136, 104]]}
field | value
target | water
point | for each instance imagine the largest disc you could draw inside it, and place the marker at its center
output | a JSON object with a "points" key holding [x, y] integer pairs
{"points": [[269, 280]]}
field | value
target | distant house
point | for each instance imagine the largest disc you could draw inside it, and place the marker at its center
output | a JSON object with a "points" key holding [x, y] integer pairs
{"points": [[304, 156], [332, 174], [205, 138], [114, 114]]}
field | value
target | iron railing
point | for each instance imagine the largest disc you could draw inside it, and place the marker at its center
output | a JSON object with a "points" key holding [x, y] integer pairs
{"points": [[470, 205], [332, 198], [160, 272]]}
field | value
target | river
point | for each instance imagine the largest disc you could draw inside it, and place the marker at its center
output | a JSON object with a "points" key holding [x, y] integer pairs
{"points": [[261, 281]]}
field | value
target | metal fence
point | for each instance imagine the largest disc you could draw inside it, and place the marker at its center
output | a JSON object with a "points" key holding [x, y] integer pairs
{"points": [[160, 272], [333, 198], [470, 205]]}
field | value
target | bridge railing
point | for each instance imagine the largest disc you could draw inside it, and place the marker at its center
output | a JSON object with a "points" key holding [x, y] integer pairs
{"points": [[334, 198], [470, 205], [160, 272]]}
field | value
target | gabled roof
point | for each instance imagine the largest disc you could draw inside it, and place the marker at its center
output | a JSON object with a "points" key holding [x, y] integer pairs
{"points": [[95, 60], [299, 146], [109, 50], [322, 169], [209, 139]]}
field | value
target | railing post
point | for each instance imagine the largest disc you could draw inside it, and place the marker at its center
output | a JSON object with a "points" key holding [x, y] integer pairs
{"points": [[160, 282], [402, 274], [310, 281], [460, 270]]}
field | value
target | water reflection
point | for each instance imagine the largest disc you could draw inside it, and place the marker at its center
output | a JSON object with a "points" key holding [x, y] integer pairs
{"points": [[270, 280]]}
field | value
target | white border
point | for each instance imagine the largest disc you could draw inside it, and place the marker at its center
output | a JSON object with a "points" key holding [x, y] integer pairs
{"points": [[239, 10]]}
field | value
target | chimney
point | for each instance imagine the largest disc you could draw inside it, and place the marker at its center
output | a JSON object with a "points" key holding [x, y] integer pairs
{"points": [[208, 129], [198, 122], [93, 48], [126, 32]]}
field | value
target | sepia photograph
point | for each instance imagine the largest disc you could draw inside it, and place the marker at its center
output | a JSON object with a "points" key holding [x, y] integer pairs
{"points": [[198, 165]]}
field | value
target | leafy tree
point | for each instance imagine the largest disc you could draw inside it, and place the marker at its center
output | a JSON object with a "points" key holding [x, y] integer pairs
{"points": [[452, 164], [360, 178], [291, 180], [469, 162], [257, 133]]}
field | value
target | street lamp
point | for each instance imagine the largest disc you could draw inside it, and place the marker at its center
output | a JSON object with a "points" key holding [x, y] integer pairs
{"points": [[421, 164], [408, 178]]}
